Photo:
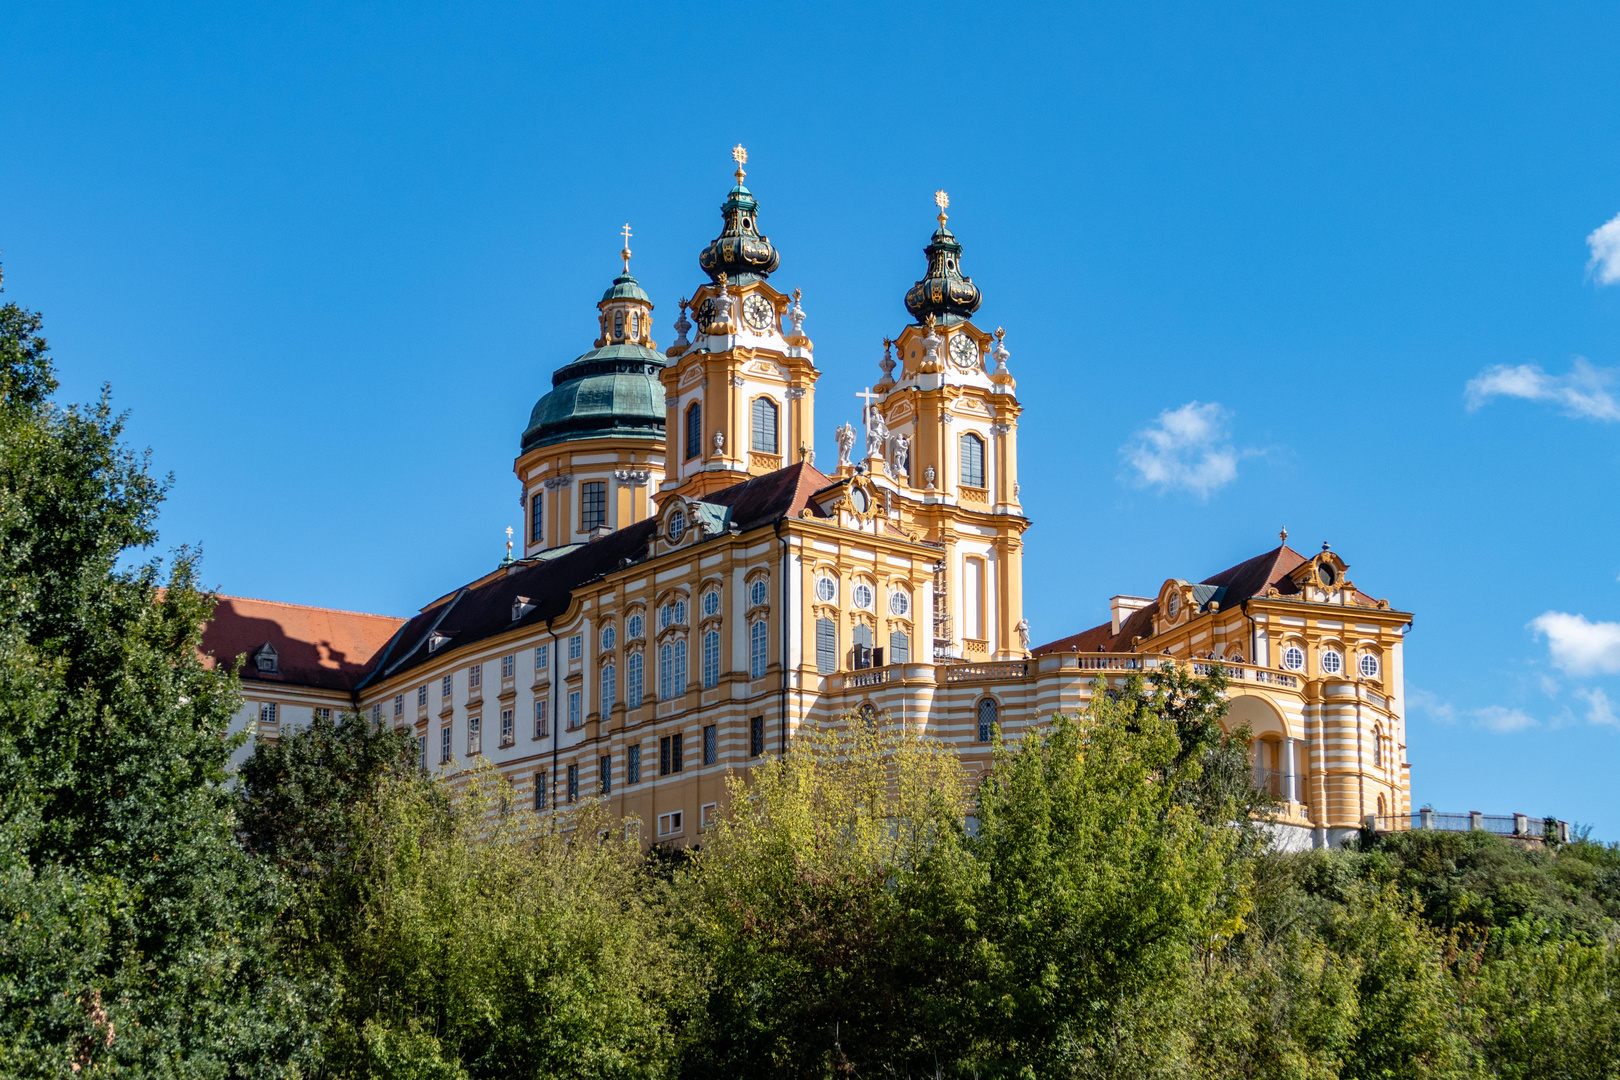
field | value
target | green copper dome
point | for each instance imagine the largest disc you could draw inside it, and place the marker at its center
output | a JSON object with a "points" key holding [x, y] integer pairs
{"points": [[625, 287], [608, 392]]}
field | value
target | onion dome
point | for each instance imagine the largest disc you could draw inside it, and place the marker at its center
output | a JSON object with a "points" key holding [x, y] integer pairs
{"points": [[943, 292], [739, 252]]}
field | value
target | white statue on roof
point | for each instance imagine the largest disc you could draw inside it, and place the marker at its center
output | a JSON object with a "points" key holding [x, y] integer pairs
{"points": [[846, 444]]}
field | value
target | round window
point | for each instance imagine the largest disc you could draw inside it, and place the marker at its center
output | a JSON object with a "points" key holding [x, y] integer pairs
{"points": [[1332, 662], [899, 602], [863, 596], [1293, 658], [826, 590], [632, 626], [607, 637], [1369, 666], [677, 526], [1326, 573], [756, 593], [711, 602], [1173, 606]]}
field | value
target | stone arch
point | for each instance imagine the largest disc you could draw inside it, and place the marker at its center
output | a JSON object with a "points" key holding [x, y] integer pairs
{"points": [[1263, 717]]}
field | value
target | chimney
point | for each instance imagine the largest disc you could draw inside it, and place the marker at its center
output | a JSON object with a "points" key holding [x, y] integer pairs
{"points": [[1123, 607]]}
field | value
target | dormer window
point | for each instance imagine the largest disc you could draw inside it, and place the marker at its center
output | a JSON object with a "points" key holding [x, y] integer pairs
{"points": [[437, 641], [520, 607], [677, 526], [1326, 574], [266, 660]]}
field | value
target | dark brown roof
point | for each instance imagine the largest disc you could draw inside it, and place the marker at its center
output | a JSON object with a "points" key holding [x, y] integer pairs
{"points": [[483, 609], [1233, 585], [319, 647]]}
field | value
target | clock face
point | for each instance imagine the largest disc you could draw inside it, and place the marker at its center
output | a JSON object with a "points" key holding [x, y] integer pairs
{"points": [[964, 353], [705, 314], [758, 312]]}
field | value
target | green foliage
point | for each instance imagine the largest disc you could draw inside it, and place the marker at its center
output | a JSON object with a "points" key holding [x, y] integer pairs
{"points": [[132, 926]]}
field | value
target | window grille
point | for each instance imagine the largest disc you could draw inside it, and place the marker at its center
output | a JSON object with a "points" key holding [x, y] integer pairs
{"points": [[573, 783], [943, 635], [711, 745], [972, 461], [758, 648], [711, 659], [604, 774], [756, 736], [826, 646], [764, 425], [694, 430], [632, 765], [592, 505], [633, 680], [989, 714], [540, 791]]}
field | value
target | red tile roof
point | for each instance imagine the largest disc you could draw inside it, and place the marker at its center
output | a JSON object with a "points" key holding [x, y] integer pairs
{"points": [[319, 647]]}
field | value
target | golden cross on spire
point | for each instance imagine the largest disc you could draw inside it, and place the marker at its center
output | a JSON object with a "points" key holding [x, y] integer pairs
{"points": [[740, 156], [625, 254], [941, 200]]}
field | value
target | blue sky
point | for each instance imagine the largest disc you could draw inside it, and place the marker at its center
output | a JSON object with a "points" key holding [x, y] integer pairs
{"points": [[1351, 270]]}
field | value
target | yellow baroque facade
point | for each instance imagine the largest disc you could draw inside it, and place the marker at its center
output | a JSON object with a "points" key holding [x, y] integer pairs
{"points": [[692, 591]]}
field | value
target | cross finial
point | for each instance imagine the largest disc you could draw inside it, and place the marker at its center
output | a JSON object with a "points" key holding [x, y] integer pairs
{"points": [[740, 156], [625, 254], [942, 201]]}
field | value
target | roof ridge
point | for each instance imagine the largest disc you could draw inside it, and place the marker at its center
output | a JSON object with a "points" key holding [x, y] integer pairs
{"points": [[310, 607]]}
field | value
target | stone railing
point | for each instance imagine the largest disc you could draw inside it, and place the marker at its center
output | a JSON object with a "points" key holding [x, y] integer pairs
{"points": [[1522, 826], [1000, 671]]}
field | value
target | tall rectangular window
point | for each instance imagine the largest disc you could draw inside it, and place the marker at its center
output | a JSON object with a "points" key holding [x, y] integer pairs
{"points": [[475, 676], [677, 755], [539, 791], [399, 704], [592, 504], [542, 660], [972, 461], [323, 714], [604, 775], [711, 744], [376, 714], [475, 735], [573, 783], [899, 647], [632, 765], [444, 744], [537, 523], [267, 714], [826, 646], [758, 649], [542, 718], [666, 671], [670, 755], [711, 659], [973, 598], [694, 430], [576, 646], [508, 666], [506, 727], [756, 736], [573, 710], [633, 680], [421, 752], [421, 696], [610, 686], [446, 685], [663, 756], [764, 417], [680, 666]]}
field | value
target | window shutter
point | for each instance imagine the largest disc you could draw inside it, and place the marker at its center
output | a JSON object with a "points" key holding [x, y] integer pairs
{"points": [[826, 646], [899, 647]]}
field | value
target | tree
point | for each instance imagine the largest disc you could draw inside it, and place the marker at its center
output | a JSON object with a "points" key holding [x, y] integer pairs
{"points": [[132, 925]]}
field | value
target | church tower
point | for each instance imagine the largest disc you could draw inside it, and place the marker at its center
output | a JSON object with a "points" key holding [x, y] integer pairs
{"points": [[593, 452], [943, 437], [739, 396]]}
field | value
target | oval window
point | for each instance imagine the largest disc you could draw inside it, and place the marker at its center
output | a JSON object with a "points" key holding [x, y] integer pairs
{"points": [[826, 590], [863, 596], [677, 526], [756, 593], [899, 602], [608, 637], [711, 602]]}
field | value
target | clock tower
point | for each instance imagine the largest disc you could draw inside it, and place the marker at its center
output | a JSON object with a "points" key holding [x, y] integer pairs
{"points": [[739, 394]]}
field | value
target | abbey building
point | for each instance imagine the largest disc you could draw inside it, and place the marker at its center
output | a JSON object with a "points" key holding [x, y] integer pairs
{"points": [[694, 585]]}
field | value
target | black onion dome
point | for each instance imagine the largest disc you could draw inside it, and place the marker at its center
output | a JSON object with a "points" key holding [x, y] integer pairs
{"points": [[943, 292], [739, 252]]}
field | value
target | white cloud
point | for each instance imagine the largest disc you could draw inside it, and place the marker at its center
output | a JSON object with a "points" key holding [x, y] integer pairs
{"points": [[1430, 705], [1600, 709], [1185, 449], [1502, 719], [1583, 393], [1578, 645], [1605, 245]]}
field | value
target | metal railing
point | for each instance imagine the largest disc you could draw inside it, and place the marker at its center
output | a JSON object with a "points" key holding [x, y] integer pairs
{"points": [[1519, 825]]}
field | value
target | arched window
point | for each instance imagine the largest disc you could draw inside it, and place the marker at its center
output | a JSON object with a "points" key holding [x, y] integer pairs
{"points": [[972, 461], [610, 687], [1378, 748], [635, 323], [633, 680], [758, 643], [989, 716], [764, 425], [711, 659], [694, 429], [869, 716]]}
